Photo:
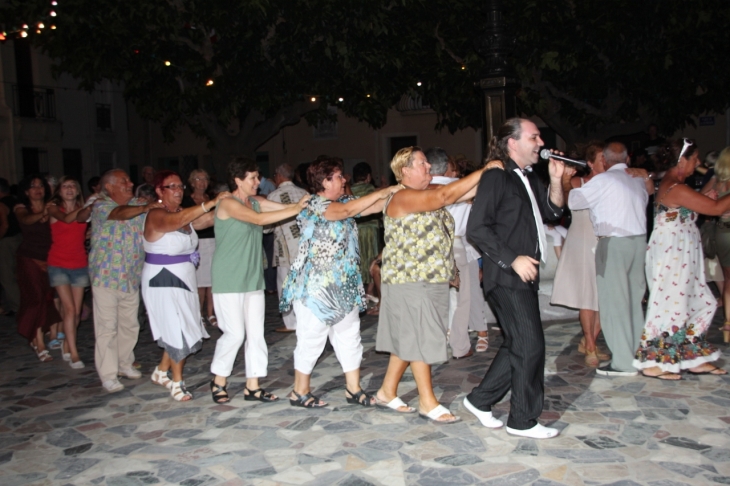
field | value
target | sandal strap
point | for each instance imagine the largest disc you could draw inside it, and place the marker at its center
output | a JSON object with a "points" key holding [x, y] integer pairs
{"points": [[303, 399], [359, 395], [252, 393]]}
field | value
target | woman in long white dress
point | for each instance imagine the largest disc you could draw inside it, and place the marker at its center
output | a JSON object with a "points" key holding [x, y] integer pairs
{"points": [[680, 306], [169, 285]]}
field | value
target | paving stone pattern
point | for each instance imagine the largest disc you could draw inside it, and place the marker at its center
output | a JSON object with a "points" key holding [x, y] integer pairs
{"points": [[58, 427]]}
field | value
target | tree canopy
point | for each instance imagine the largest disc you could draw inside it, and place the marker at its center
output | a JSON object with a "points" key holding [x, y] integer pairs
{"points": [[239, 71]]}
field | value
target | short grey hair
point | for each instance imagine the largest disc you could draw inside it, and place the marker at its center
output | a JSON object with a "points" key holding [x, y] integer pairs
{"points": [[107, 178], [285, 171], [438, 159], [615, 153]]}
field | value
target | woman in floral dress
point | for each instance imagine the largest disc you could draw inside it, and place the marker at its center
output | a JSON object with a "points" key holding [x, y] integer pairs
{"points": [[324, 285], [681, 306]]}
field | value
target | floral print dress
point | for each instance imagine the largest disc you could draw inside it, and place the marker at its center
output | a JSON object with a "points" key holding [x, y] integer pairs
{"points": [[680, 306], [325, 275]]}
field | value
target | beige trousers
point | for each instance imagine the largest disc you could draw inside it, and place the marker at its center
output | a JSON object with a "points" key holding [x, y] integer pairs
{"points": [[116, 329]]}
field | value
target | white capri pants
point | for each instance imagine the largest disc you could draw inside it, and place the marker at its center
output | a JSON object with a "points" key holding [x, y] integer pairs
{"points": [[312, 335], [240, 315], [557, 233]]}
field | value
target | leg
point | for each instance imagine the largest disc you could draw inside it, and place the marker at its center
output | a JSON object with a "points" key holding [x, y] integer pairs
{"points": [[427, 400], [177, 387], [311, 338], [70, 319], [128, 330], [612, 268], [289, 317], [637, 288], [255, 351], [231, 323], [345, 339], [201, 298], [209, 301], [106, 353], [459, 335]]}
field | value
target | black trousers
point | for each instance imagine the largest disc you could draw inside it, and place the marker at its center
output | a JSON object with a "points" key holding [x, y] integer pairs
{"points": [[520, 361]]}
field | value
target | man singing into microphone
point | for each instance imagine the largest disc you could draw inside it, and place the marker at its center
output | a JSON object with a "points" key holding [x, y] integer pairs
{"points": [[506, 226]]}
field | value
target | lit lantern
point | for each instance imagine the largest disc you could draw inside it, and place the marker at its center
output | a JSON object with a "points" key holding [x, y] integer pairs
{"points": [[167, 63], [209, 83]]}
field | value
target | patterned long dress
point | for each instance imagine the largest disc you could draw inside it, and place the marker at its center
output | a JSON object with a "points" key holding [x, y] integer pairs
{"points": [[681, 306]]}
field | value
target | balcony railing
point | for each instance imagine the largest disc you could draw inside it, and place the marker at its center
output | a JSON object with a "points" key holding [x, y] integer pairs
{"points": [[34, 102]]}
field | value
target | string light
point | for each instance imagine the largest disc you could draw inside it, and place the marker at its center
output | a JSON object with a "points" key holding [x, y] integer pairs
{"points": [[418, 83], [53, 27], [40, 25], [38, 31], [313, 99], [23, 34], [463, 67], [25, 26], [54, 3], [53, 13], [341, 100], [3, 36], [209, 83], [167, 63], [368, 96]]}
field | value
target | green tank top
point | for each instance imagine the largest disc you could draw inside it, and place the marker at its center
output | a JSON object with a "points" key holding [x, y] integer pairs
{"points": [[238, 259]]}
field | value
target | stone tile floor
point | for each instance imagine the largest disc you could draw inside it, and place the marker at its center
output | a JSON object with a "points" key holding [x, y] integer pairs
{"points": [[58, 427]]}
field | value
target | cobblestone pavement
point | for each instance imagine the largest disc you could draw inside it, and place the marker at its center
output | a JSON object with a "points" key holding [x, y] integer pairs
{"points": [[57, 426]]}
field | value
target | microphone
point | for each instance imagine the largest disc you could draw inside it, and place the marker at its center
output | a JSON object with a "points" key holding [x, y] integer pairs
{"points": [[545, 154]]}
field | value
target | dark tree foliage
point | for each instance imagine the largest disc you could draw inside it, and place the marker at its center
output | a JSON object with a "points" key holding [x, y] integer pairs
{"points": [[588, 68]]}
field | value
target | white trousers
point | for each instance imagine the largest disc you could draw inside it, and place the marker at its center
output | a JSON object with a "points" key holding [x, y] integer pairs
{"points": [[290, 319], [240, 315], [469, 308], [312, 335]]}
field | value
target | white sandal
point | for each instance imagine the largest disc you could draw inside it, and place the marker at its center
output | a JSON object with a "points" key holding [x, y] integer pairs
{"points": [[394, 404], [437, 413], [179, 392], [160, 378], [482, 344]]}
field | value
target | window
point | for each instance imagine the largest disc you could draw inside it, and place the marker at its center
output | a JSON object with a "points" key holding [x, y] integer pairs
{"points": [[103, 117], [35, 161], [72, 165], [105, 161]]}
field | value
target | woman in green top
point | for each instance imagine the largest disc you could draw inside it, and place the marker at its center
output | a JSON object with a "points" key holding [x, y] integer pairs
{"points": [[417, 266], [238, 280]]}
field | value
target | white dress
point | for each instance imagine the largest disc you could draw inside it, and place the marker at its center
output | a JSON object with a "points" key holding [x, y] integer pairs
{"points": [[171, 295]]}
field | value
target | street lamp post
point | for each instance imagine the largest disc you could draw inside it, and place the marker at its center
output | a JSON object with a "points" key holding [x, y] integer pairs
{"points": [[499, 82]]}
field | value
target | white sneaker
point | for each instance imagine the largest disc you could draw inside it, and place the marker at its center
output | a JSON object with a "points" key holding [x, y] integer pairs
{"points": [[130, 373], [486, 418], [66, 356], [77, 365], [113, 386], [537, 432]]}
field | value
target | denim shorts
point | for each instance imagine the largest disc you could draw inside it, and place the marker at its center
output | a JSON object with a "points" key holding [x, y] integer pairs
{"points": [[76, 277]]}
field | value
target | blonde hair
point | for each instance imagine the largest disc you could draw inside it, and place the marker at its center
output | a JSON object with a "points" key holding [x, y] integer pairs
{"points": [[722, 166], [403, 158]]}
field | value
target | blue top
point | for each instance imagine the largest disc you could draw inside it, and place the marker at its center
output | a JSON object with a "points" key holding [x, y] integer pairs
{"points": [[326, 273]]}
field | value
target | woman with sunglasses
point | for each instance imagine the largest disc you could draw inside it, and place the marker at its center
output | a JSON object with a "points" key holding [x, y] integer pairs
{"points": [[680, 306], [169, 286]]}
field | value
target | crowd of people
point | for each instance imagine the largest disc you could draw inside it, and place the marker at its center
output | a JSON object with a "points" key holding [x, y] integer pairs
{"points": [[429, 250]]}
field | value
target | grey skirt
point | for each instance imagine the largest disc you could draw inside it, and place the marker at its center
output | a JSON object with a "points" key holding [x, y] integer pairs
{"points": [[414, 319]]}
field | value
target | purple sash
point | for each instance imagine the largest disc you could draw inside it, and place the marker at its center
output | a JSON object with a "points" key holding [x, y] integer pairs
{"points": [[159, 259]]}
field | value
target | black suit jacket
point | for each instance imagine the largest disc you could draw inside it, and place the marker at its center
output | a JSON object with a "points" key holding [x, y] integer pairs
{"points": [[501, 224]]}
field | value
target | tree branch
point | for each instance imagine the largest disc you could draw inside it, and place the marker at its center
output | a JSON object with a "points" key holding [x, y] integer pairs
{"points": [[443, 45]]}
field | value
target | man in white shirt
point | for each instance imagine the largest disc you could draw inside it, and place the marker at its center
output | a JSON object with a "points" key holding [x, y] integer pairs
{"points": [[467, 310], [617, 203], [286, 235]]}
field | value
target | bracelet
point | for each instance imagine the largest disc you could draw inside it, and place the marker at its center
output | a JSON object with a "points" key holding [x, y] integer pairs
{"points": [[202, 205]]}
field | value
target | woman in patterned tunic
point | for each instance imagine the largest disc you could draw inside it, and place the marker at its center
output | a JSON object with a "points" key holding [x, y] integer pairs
{"points": [[324, 285], [417, 266], [168, 279], [680, 307]]}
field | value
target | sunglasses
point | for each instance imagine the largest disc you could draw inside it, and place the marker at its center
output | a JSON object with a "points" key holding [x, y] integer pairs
{"points": [[687, 143]]}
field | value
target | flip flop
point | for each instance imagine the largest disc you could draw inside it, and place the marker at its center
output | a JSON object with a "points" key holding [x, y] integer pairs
{"points": [[713, 371], [437, 412], [664, 376], [394, 405]]}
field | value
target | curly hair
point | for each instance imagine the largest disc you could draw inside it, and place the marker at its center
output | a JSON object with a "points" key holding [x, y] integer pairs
{"points": [[322, 169], [24, 187]]}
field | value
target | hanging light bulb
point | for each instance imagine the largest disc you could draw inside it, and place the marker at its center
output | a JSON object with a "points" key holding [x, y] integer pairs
{"points": [[40, 25], [463, 67], [25, 26], [167, 63], [23, 33], [54, 3], [313, 99], [418, 83], [53, 27], [340, 99], [209, 83], [368, 96], [38, 31], [53, 13]]}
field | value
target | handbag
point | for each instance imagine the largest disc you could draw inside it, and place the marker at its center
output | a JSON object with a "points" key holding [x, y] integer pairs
{"points": [[707, 234]]}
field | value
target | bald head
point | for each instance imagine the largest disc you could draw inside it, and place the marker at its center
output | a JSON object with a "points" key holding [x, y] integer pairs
{"points": [[615, 153]]}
